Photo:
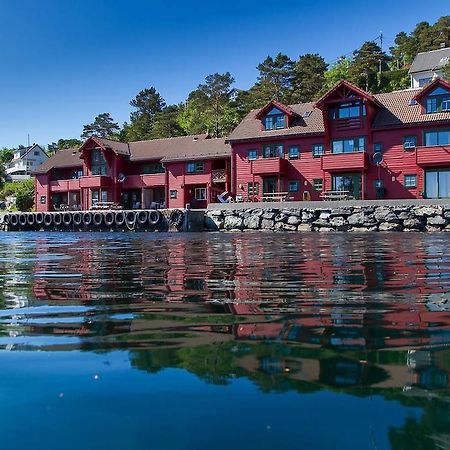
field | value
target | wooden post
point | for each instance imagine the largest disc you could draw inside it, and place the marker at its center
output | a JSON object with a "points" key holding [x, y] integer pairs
{"points": [[363, 188]]}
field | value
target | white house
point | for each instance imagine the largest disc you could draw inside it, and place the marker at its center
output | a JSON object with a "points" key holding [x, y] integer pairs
{"points": [[428, 66], [25, 161]]}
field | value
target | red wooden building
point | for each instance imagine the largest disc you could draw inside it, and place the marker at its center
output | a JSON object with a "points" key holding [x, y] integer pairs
{"points": [[161, 172], [394, 145]]}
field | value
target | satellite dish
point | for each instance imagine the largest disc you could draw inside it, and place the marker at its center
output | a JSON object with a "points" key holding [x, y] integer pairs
{"points": [[377, 158], [121, 177]]}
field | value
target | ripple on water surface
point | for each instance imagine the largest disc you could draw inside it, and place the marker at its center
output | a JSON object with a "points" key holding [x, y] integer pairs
{"points": [[353, 314]]}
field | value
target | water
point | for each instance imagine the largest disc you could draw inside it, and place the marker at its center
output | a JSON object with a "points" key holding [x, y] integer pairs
{"points": [[219, 341]]}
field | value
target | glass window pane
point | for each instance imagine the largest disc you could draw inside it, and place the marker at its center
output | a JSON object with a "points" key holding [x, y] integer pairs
{"points": [[431, 138], [280, 121], [362, 144], [444, 184], [349, 145], [431, 184], [444, 137], [338, 147]]}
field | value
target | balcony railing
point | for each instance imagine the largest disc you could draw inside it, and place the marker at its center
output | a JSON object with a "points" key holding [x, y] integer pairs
{"points": [[95, 181], [65, 185], [433, 156], [348, 124], [268, 166], [344, 161], [219, 176]]}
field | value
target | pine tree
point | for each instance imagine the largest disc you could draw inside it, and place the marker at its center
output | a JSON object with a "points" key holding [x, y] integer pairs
{"points": [[103, 126]]}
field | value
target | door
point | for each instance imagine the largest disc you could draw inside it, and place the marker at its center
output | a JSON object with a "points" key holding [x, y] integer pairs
{"points": [[270, 185], [437, 183], [350, 182]]}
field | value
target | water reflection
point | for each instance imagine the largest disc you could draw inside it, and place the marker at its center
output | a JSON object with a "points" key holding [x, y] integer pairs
{"points": [[360, 314]]}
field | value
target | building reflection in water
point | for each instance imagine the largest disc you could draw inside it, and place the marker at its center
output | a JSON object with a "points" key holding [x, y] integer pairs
{"points": [[341, 310]]}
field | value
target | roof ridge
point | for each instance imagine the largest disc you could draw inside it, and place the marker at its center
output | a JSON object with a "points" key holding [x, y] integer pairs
{"points": [[435, 50], [172, 137]]}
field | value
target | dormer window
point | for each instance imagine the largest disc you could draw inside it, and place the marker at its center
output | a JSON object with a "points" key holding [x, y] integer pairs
{"points": [[274, 120], [348, 110], [438, 100]]}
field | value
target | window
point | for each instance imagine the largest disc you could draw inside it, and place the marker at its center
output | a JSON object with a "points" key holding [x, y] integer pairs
{"points": [[273, 151], [252, 188], [98, 162], [293, 186], [153, 168], [348, 110], [193, 167], [252, 154], [76, 174], [274, 120], [378, 147], [318, 184], [43, 199], [437, 183], [294, 152], [318, 150], [410, 181], [433, 138], [437, 101], [200, 193], [424, 81], [173, 193], [409, 142], [349, 182], [37, 153], [349, 145]]}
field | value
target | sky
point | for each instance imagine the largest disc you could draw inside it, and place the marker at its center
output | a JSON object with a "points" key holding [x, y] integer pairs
{"points": [[63, 62]]}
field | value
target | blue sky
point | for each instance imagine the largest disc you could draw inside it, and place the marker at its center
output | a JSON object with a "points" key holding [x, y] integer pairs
{"points": [[63, 62]]}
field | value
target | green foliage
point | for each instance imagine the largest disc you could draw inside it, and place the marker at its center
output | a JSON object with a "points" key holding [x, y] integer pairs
{"points": [[211, 107], [23, 191], [335, 73], [148, 103], [217, 107], [446, 71], [423, 38], [6, 155], [276, 76], [367, 62], [309, 78], [63, 144], [103, 126], [393, 80]]}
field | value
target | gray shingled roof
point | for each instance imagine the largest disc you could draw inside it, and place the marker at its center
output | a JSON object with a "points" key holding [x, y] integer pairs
{"points": [[398, 110], [395, 110], [66, 158], [179, 148], [170, 149], [432, 60], [304, 124]]}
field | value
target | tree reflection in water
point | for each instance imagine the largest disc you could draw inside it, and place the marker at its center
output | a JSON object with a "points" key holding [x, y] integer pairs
{"points": [[364, 315]]}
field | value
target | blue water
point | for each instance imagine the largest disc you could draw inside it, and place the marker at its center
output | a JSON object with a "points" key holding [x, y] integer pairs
{"points": [[264, 341]]}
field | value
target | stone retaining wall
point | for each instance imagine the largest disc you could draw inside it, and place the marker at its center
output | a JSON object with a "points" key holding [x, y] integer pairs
{"points": [[352, 218]]}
